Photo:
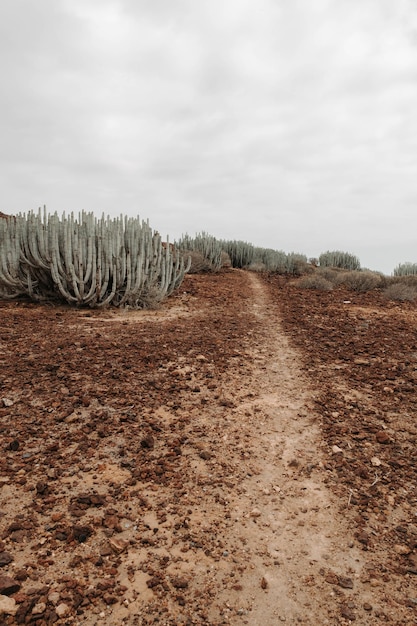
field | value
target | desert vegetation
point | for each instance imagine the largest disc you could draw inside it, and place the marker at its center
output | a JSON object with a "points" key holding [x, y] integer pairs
{"points": [[87, 261]]}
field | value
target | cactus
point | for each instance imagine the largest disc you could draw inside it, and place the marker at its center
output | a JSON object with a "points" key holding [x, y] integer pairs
{"points": [[341, 260], [241, 253], [207, 245], [86, 261], [405, 269]]}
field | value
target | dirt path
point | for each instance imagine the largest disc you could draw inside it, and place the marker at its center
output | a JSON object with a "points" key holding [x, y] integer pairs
{"points": [[168, 468], [293, 532]]}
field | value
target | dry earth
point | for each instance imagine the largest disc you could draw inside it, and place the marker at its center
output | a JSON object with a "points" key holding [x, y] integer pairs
{"points": [[245, 455]]}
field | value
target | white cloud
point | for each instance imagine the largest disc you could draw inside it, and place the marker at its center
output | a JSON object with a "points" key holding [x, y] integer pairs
{"points": [[288, 123]]}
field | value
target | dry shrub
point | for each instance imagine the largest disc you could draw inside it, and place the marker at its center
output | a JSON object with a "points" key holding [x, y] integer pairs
{"points": [[358, 280], [329, 273], [409, 280], [401, 292], [199, 263], [314, 281], [225, 259], [257, 266]]}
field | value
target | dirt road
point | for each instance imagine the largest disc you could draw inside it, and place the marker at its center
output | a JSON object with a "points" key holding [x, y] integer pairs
{"points": [[170, 468]]}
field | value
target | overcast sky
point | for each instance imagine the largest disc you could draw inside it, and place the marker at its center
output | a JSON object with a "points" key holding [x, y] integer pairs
{"points": [[291, 124]]}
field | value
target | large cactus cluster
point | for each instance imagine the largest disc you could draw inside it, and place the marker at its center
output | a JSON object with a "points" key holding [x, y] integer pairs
{"points": [[87, 261], [340, 260], [405, 269], [208, 246]]}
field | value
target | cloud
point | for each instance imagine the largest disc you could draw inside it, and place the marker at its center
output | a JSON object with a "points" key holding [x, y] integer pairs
{"points": [[290, 123]]}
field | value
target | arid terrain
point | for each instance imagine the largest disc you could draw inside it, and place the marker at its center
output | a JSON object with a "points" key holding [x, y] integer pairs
{"points": [[244, 455]]}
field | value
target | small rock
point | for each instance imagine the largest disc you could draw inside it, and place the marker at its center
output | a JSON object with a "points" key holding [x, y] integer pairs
{"points": [[336, 450], [118, 545], [54, 597], [367, 606], [179, 583], [255, 513], [332, 578], [7, 402], [5, 558], [383, 437], [8, 606], [62, 609], [363, 537], [39, 608], [348, 613], [401, 548], [264, 583], [8, 585], [205, 455], [375, 461], [148, 442], [345, 583]]}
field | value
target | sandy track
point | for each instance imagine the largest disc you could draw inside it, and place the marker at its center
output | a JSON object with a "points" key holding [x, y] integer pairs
{"points": [[293, 532]]}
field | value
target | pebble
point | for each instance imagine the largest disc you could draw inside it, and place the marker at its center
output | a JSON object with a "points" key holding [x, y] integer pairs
{"points": [[255, 513], [39, 608], [54, 597], [62, 609], [8, 606]]}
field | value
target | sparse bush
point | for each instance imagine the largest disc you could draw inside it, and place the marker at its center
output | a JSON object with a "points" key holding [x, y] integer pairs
{"points": [[329, 273], [401, 292], [410, 280], [342, 260], [225, 259], [257, 266], [199, 263], [314, 281], [406, 269], [359, 280]]}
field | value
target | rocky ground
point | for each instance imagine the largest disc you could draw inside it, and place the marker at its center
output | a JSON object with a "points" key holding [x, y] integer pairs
{"points": [[244, 455]]}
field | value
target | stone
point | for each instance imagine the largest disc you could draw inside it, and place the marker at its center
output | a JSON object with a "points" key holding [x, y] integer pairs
{"points": [[54, 597], [118, 545], [8, 606], [255, 513], [39, 608], [5, 558], [62, 609], [401, 548], [8, 586], [382, 437], [348, 613]]}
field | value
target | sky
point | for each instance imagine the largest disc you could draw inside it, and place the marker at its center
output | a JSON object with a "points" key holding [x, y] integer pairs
{"points": [[288, 124]]}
